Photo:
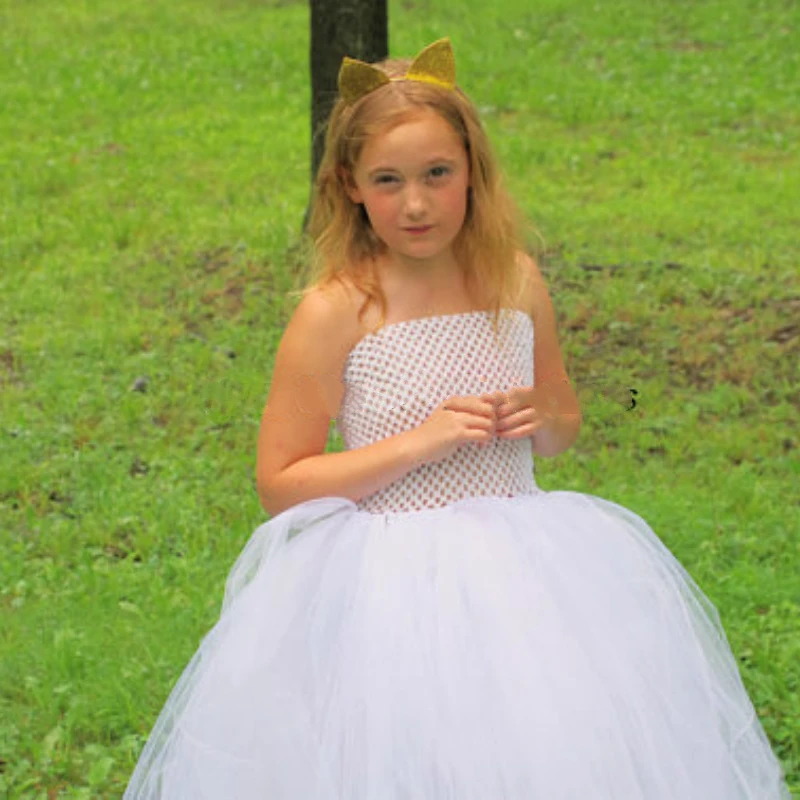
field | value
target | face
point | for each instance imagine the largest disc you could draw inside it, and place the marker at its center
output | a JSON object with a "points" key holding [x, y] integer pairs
{"points": [[413, 181]]}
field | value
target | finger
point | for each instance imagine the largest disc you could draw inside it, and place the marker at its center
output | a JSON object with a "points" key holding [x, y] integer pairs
{"points": [[480, 405], [475, 408], [505, 409], [514, 420], [521, 432], [522, 417], [493, 402]]}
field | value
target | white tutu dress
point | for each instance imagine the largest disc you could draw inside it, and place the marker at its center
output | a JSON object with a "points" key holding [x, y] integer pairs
{"points": [[460, 635]]}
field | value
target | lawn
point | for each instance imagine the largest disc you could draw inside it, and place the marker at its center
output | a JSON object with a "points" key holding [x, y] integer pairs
{"points": [[153, 178]]}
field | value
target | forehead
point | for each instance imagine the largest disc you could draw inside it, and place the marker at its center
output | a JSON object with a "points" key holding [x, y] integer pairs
{"points": [[415, 139]]}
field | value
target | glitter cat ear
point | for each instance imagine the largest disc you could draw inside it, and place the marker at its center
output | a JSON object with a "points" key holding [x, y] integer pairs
{"points": [[356, 78], [435, 65]]}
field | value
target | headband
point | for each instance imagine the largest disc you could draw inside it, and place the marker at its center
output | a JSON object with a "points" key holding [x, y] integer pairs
{"points": [[435, 64]]}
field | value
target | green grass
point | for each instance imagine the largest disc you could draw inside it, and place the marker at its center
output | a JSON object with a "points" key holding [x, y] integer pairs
{"points": [[153, 176]]}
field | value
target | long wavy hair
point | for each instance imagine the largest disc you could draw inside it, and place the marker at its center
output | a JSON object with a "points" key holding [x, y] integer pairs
{"points": [[344, 242]]}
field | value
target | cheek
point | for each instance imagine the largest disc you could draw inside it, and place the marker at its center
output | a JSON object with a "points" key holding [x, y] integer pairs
{"points": [[454, 201], [380, 207]]}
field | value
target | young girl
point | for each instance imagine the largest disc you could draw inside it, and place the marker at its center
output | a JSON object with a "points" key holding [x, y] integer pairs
{"points": [[418, 621]]}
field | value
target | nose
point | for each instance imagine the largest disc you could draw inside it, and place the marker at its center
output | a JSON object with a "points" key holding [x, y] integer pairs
{"points": [[414, 202]]}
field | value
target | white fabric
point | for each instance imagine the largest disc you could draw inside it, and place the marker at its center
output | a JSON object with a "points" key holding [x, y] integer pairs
{"points": [[542, 646], [396, 377]]}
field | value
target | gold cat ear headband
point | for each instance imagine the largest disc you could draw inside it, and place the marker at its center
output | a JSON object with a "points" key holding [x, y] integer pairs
{"points": [[435, 64]]}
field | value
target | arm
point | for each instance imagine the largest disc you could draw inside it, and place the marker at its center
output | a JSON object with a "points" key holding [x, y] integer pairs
{"points": [[353, 473], [561, 430], [305, 394], [553, 391]]}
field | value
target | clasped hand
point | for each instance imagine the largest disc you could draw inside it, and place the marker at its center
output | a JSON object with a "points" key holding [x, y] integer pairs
{"points": [[521, 411]]}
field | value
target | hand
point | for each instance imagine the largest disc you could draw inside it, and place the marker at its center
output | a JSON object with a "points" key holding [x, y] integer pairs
{"points": [[457, 420], [520, 412]]}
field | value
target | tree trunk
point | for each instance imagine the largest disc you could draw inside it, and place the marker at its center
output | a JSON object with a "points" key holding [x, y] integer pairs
{"points": [[355, 28]]}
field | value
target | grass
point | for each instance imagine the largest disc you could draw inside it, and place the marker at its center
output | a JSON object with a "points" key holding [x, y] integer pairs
{"points": [[153, 175]]}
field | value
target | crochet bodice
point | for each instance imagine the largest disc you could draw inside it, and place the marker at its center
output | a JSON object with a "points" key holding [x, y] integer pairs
{"points": [[396, 377]]}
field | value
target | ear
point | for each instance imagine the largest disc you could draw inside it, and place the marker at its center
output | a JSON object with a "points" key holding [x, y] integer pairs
{"points": [[354, 194], [346, 177]]}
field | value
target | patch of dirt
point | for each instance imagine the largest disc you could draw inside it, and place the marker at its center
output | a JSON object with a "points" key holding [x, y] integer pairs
{"points": [[10, 367], [718, 340]]}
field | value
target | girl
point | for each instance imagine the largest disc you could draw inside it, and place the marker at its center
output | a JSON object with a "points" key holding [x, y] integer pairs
{"points": [[418, 620]]}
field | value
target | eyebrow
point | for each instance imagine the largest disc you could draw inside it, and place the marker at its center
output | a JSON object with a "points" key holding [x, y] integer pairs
{"points": [[429, 163]]}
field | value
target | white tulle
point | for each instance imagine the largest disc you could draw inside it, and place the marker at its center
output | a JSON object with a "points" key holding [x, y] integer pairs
{"points": [[460, 634], [542, 646]]}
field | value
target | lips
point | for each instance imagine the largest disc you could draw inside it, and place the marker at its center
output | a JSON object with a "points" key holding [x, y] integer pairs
{"points": [[418, 230]]}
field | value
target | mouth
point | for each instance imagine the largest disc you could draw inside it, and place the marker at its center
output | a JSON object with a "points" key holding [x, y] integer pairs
{"points": [[418, 230]]}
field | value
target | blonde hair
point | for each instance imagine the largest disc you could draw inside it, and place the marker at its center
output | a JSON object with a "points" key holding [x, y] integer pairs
{"points": [[344, 242]]}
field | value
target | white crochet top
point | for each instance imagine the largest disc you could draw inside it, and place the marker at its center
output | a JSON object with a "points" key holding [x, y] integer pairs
{"points": [[394, 379]]}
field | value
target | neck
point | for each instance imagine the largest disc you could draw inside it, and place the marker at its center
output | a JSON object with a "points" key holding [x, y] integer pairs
{"points": [[442, 274]]}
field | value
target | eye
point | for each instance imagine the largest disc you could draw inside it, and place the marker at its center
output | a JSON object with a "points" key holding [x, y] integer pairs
{"points": [[384, 180], [439, 171]]}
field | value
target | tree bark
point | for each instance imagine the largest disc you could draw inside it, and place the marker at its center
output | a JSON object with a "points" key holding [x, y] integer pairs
{"points": [[355, 28]]}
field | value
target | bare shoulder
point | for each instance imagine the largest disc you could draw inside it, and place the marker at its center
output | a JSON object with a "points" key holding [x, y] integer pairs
{"points": [[306, 388], [322, 330], [536, 298], [548, 360]]}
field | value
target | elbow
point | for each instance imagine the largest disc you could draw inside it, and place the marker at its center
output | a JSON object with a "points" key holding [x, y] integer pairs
{"points": [[554, 441], [267, 496], [268, 504], [278, 491], [271, 505], [266, 500], [276, 496]]}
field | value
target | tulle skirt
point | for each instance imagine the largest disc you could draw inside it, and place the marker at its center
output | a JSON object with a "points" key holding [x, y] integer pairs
{"points": [[541, 647]]}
